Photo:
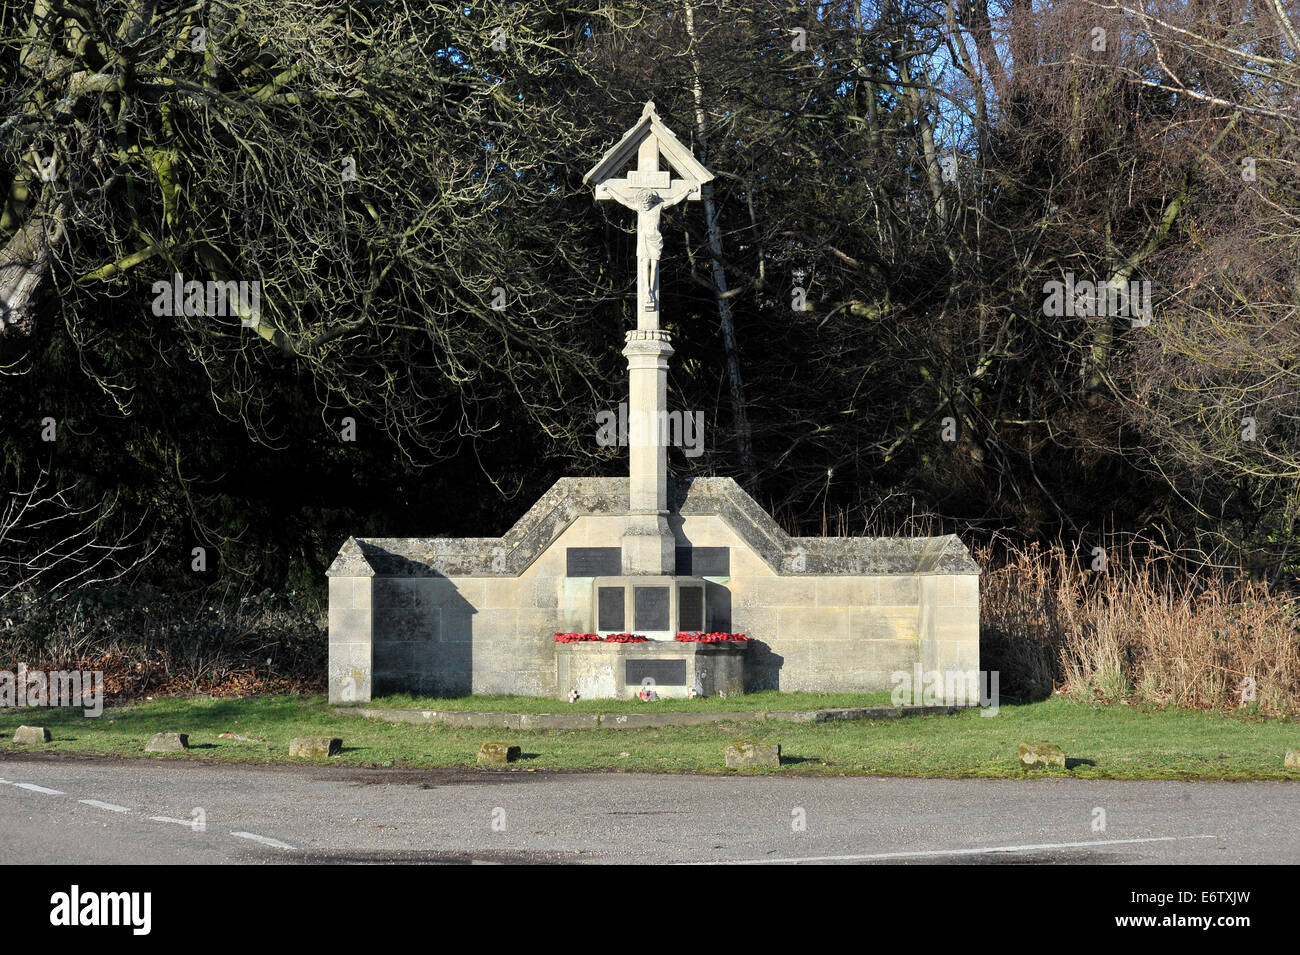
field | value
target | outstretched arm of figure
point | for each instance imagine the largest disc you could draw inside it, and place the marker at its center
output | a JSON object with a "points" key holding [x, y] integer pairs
{"points": [[677, 195]]}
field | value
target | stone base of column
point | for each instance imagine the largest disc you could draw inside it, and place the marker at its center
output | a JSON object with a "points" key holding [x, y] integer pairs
{"points": [[649, 546]]}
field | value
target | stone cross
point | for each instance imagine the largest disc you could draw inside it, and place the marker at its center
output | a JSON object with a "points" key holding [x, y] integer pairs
{"points": [[648, 190], [648, 546]]}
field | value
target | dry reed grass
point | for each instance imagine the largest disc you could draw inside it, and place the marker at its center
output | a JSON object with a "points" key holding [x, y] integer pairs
{"points": [[1145, 629]]}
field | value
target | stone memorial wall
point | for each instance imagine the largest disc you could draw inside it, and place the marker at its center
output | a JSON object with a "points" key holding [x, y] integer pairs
{"points": [[448, 617]]}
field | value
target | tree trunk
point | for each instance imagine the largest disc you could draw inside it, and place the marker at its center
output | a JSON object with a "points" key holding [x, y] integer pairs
{"points": [[24, 264], [736, 385]]}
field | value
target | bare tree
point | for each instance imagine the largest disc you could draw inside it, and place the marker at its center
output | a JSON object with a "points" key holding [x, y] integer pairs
{"points": [[396, 180], [1215, 387], [53, 543]]}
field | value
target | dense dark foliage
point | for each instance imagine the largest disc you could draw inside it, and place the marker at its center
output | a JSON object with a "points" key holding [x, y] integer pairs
{"points": [[922, 378]]}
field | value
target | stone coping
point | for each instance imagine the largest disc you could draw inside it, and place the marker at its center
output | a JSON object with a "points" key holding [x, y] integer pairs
{"points": [[469, 719], [570, 498]]}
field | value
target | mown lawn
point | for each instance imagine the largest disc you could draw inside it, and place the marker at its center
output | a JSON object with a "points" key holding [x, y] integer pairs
{"points": [[1103, 741]]}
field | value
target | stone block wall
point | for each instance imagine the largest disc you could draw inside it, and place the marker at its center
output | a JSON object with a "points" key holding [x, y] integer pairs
{"points": [[351, 639], [461, 635], [950, 622], [442, 617], [850, 633]]}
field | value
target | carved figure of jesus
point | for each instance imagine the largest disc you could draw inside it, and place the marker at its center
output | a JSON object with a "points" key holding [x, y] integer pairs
{"points": [[648, 190], [650, 243]]}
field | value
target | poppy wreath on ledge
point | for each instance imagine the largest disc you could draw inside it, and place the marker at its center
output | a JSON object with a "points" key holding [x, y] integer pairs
{"points": [[596, 638], [711, 637], [577, 638]]}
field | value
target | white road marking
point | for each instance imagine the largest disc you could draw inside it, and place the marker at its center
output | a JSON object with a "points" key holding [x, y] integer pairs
{"points": [[40, 789], [273, 843], [933, 853], [112, 807], [103, 805], [187, 823]]}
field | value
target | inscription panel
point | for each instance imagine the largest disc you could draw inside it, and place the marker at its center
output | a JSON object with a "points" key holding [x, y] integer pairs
{"points": [[593, 561], [704, 561], [690, 608], [610, 613], [657, 672], [650, 608]]}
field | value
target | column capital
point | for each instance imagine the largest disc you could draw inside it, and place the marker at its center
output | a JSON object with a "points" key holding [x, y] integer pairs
{"points": [[648, 348], [648, 335]]}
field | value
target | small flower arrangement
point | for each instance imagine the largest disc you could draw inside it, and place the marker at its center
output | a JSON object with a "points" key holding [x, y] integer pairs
{"points": [[573, 696], [646, 695], [596, 638], [711, 638], [626, 638]]}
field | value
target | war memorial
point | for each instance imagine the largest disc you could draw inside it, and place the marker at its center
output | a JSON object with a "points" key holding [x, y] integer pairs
{"points": [[607, 585]]}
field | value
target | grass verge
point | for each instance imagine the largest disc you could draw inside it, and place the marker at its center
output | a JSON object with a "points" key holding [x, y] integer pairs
{"points": [[1101, 742]]}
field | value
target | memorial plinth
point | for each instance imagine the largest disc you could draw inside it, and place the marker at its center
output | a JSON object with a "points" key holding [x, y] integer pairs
{"points": [[671, 669]]}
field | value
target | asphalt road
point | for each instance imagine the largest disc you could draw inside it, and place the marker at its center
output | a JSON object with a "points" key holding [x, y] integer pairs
{"points": [[59, 809]]}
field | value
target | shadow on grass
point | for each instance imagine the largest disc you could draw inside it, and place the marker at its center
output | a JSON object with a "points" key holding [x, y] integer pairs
{"points": [[62, 716], [123, 728], [219, 714], [1073, 763]]}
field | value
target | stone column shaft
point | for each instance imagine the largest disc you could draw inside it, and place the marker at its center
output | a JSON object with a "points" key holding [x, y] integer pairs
{"points": [[648, 544]]}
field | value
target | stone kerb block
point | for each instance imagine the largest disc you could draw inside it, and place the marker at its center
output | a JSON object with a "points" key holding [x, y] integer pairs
{"points": [[498, 754], [753, 754], [1041, 756], [31, 734], [167, 743], [315, 746]]}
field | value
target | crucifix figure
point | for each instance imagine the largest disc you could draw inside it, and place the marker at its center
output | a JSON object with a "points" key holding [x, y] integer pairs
{"points": [[648, 191], [649, 245]]}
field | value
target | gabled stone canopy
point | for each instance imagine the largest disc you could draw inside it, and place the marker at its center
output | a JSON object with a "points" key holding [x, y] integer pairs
{"points": [[571, 498], [625, 150]]}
